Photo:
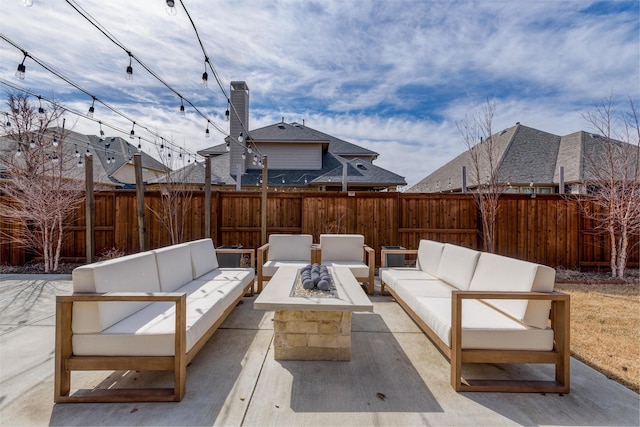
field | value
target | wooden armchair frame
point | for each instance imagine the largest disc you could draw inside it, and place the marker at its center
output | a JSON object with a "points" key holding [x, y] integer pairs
{"points": [[263, 256]]}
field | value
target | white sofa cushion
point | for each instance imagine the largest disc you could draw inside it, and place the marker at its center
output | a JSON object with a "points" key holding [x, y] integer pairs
{"points": [[342, 247], [390, 275], [483, 327], [499, 273], [138, 271], [457, 265], [150, 331], [359, 269], [429, 255], [244, 275], [203, 257], [174, 266], [290, 247]]}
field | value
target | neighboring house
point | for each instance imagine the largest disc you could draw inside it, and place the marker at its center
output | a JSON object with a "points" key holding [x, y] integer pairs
{"points": [[113, 158], [530, 161], [298, 157]]}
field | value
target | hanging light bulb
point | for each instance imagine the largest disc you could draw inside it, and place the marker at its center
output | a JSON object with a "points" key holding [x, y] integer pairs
{"points": [[181, 107], [80, 162], [205, 76], [249, 149], [91, 109], [241, 137], [169, 154], [55, 159], [32, 143], [21, 67], [244, 155], [55, 140], [77, 152], [228, 147], [19, 152], [139, 143], [41, 111], [207, 134], [305, 180], [255, 159], [171, 8], [283, 179], [132, 134], [226, 113], [8, 121], [129, 69], [162, 146], [88, 153]]}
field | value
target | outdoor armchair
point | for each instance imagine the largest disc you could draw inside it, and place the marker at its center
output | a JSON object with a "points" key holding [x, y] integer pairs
{"points": [[349, 250], [291, 250]]}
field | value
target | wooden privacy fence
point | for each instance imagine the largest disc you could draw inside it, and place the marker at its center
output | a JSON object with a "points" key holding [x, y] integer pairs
{"points": [[546, 229]]}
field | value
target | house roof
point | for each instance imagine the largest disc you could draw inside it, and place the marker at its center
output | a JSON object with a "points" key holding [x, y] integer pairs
{"points": [[359, 171], [525, 155]]}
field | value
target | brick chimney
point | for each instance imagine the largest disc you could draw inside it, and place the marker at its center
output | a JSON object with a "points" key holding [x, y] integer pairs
{"points": [[239, 115]]}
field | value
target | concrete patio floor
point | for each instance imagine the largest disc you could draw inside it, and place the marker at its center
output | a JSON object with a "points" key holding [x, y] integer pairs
{"points": [[396, 377]]}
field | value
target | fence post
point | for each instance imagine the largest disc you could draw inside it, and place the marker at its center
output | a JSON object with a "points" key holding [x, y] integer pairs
{"points": [[90, 209], [137, 161]]}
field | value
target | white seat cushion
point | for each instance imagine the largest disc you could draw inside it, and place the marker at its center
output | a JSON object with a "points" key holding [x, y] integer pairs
{"points": [[499, 273], [150, 331], [457, 265], [429, 255], [483, 327], [359, 269], [138, 271], [244, 275], [203, 257], [390, 275], [270, 267]]}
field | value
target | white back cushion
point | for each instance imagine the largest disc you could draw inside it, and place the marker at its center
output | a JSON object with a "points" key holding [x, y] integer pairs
{"points": [[499, 273], [290, 247], [174, 266], [429, 255], [203, 257], [342, 247], [131, 273], [457, 265]]}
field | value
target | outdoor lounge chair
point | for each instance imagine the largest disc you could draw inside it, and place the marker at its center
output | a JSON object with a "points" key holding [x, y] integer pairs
{"points": [[349, 250], [291, 250]]}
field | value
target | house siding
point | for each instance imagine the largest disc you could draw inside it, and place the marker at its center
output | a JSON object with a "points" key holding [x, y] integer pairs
{"points": [[292, 156]]}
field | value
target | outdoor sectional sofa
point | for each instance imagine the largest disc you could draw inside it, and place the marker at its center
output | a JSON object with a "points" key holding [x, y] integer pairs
{"points": [[479, 307], [151, 311]]}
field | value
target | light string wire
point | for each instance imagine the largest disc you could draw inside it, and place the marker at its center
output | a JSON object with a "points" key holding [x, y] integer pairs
{"points": [[218, 80], [86, 92], [100, 122], [115, 41]]}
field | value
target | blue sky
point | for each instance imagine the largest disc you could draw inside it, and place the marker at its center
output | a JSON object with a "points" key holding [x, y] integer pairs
{"points": [[392, 76]]}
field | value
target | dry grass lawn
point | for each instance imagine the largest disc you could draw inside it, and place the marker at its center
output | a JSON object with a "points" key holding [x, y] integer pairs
{"points": [[605, 329]]}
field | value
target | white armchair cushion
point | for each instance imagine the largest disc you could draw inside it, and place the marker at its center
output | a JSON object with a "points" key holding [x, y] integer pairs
{"points": [[429, 255], [270, 267], [174, 266], [457, 265], [203, 257], [499, 273], [342, 247], [138, 271], [290, 247]]}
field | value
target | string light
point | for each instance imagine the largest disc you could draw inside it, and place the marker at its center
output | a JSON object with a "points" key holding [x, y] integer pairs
{"points": [[21, 67], [181, 107], [9, 122], [129, 68], [32, 143], [139, 143], [226, 113], [205, 76], [171, 8], [207, 134], [19, 152], [91, 109], [241, 137], [55, 140], [41, 111], [228, 148], [132, 134], [244, 155]]}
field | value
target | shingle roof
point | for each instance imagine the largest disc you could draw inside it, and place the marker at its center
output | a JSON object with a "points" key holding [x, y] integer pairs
{"points": [[526, 155]]}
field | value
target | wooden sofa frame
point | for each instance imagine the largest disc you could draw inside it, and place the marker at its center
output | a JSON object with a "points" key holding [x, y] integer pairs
{"points": [[66, 362], [559, 321]]}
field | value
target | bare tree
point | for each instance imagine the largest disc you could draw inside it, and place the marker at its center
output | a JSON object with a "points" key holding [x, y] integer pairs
{"points": [[176, 194], [41, 189], [484, 155], [612, 178]]}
